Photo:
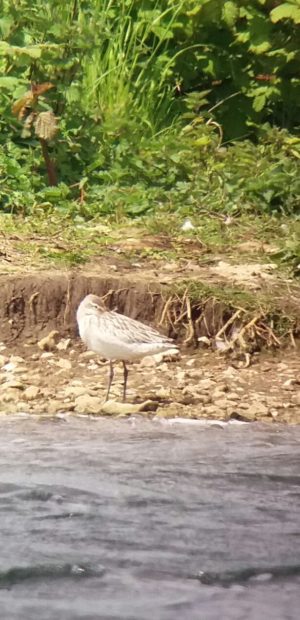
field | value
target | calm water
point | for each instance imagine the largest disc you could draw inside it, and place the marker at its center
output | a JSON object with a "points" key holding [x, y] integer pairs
{"points": [[139, 520]]}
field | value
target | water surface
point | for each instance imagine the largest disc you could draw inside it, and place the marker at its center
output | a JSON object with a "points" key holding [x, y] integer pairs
{"points": [[141, 520]]}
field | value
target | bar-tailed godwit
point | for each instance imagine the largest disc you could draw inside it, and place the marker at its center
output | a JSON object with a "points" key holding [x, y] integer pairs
{"points": [[117, 337]]}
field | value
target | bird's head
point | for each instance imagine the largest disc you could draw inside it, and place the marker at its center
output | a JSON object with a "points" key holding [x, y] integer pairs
{"points": [[91, 304]]}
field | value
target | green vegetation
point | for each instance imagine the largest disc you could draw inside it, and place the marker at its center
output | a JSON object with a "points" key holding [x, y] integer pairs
{"points": [[150, 108]]}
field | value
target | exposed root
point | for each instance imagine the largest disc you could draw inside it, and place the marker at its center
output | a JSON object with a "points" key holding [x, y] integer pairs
{"points": [[165, 310], [191, 336], [68, 300], [32, 304], [293, 343], [198, 322]]}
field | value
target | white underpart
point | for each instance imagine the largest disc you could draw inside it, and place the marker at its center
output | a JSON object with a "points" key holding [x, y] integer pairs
{"points": [[116, 337]]}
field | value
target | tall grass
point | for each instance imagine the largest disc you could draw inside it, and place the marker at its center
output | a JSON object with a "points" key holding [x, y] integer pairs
{"points": [[127, 76]]}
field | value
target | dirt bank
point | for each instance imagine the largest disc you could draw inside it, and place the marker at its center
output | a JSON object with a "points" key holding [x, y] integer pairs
{"points": [[238, 383]]}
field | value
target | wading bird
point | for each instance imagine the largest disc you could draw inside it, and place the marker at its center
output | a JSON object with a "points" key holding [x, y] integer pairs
{"points": [[117, 337]]}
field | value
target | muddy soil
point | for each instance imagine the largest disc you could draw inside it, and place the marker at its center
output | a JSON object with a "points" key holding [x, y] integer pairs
{"points": [[58, 376]]}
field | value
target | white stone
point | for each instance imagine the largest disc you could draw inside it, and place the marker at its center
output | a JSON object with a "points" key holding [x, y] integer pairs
{"points": [[10, 367], [75, 390], [63, 344], [17, 359], [14, 383], [64, 364], [88, 404], [46, 355]]}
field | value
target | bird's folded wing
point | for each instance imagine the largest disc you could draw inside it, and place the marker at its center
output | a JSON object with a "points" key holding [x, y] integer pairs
{"points": [[120, 327]]}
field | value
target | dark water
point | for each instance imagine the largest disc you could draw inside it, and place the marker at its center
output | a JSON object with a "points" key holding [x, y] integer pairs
{"points": [[148, 521]]}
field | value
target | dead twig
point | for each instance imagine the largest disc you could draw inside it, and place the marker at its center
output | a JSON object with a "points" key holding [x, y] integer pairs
{"points": [[31, 303], [67, 308], [271, 333], [292, 338], [240, 335], [165, 310], [229, 322], [191, 336]]}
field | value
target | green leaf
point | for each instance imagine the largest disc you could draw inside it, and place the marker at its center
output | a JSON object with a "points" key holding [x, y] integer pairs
{"points": [[230, 13], [259, 32], [33, 52], [259, 102], [5, 25], [14, 50], [203, 141], [4, 47], [10, 83], [286, 11], [73, 94]]}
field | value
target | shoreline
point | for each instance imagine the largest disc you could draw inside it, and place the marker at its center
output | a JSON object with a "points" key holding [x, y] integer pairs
{"points": [[195, 385]]}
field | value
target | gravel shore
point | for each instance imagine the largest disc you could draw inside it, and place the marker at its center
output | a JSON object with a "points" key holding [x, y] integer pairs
{"points": [[193, 384]]}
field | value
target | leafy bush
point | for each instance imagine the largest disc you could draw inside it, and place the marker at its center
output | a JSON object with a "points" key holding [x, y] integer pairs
{"points": [[145, 94]]}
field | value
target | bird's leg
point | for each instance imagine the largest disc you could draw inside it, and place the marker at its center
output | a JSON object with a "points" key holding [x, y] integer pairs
{"points": [[125, 381], [110, 378]]}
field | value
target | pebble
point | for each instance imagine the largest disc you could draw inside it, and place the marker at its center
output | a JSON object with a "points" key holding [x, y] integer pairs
{"points": [[16, 359], [9, 367], [88, 404], [49, 342], [164, 367], [206, 384], [191, 362], [222, 404], [163, 392], [63, 344], [64, 363], [296, 398], [86, 355], [148, 362], [172, 355], [218, 394], [112, 407], [31, 341], [282, 366], [257, 410], [31, 392], [204, 399], [93, 366], [14, 384], [212, 411], [75, 390], [232, 396], [245, 416], [54, 406], [196, 374], [10, 395], [230, 372]]}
